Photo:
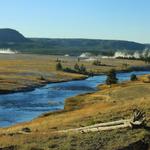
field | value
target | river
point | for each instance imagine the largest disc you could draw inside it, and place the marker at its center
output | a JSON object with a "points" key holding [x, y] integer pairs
{"points": [[24, 106]]}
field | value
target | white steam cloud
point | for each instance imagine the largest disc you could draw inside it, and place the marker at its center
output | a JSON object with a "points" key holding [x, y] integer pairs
{"points": [[7, 51], [144, 54]]}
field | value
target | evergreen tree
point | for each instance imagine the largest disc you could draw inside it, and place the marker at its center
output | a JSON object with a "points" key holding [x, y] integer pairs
{"points": [[111, 77], [59, 66], [76, 67], [83, 69]]}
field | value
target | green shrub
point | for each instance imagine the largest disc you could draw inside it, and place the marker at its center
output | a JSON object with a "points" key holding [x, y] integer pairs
{"points": [[133, 77], [97, 63], [70, 70]]}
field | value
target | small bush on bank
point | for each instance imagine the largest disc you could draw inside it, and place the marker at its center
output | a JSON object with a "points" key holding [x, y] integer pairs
{"points": [[42, 78], [77, 69], [133, 77], [67, 69], [97, 63], [82, 69]]}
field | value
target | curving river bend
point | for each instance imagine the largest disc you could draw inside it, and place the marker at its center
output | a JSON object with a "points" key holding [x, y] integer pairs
{"points": [[24, 106]]}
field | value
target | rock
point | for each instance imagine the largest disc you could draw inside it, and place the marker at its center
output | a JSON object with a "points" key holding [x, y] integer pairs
{"points": [[26, 129]]}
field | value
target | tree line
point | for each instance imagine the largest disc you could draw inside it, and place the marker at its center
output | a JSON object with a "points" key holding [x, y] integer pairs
{"points": [[111, 75], [76, 69]]}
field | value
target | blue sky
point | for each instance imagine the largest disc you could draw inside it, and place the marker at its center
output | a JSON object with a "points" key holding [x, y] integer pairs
{"points": [[98, 19]]}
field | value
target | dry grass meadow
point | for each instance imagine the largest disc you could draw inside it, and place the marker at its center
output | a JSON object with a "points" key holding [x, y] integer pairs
{"points": [[23, 71], [107, 104]]}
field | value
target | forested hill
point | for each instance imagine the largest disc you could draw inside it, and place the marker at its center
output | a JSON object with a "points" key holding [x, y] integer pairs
{"points": [[72, 46], [14, 40], [11, 36]]}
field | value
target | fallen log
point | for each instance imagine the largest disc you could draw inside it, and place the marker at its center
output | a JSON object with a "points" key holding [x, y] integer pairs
{"points": [[138, 119]]}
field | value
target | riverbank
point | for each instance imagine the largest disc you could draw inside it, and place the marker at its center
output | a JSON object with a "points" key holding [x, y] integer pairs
{"points": [[23, 72], [40, 83], [107, 104]]}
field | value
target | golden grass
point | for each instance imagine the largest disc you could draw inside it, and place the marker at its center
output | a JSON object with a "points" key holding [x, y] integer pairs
{"points": [[105, 105], [17, 71], [20, 71]]}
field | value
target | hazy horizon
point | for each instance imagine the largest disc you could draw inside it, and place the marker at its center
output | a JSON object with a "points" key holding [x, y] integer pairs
{"points": [[97, 19]]}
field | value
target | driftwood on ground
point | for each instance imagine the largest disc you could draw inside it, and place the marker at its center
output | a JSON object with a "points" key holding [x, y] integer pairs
{"points": [[138, 120]]}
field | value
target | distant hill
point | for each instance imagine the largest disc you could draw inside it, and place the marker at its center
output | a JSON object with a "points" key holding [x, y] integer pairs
{"points": [[148, 45], [72, 46], [14, 40], [11, 36]]}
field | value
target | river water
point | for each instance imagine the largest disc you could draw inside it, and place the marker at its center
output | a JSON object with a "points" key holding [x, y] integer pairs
{"points": [[24, 106]]}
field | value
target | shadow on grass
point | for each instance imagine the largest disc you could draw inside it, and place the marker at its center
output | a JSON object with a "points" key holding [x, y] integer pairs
{"points": [[147, 128]]}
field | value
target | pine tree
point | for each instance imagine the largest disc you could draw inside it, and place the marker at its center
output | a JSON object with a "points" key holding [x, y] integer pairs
{"points": [[83, 69], [59, 66], [111, 77], [76, 67]]}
